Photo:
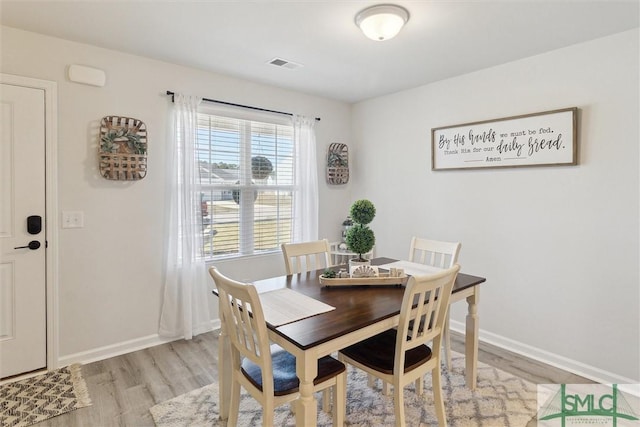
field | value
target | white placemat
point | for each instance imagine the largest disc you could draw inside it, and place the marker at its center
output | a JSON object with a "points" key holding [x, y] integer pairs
{"points": [[412, 268], [284, 306]]}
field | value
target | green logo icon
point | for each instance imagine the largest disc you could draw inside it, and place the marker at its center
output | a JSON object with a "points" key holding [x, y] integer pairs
{"points": [[588, 404]]}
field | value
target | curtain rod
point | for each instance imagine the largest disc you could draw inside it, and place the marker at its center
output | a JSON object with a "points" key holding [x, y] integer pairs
{"points": [[172, 94]]}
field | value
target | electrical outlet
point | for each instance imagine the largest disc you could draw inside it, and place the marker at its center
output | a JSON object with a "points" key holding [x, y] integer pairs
{"points": [[72, 219]]}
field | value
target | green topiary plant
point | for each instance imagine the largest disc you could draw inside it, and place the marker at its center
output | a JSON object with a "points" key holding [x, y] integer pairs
{"points": [[360, 238]]}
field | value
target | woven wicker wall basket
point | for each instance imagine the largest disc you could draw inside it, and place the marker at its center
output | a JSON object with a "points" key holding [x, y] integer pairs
{"points": [[123, 148], [337, 164]]}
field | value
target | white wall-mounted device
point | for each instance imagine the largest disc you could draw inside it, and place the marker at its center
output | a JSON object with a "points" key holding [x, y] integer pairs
{"points": [[87, 75]]}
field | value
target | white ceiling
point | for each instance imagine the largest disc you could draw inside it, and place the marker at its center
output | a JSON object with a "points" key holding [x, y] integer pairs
{"points": [[442, 38]]}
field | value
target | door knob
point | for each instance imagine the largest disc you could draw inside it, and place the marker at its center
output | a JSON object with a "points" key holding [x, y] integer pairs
{"points": [[33, 245]]}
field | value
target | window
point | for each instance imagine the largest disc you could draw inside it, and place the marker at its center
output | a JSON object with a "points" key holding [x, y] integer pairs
{"points": [[247, 182]]}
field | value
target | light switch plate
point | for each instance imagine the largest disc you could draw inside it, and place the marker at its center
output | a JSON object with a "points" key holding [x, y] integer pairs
{"points": [[72, 219]]}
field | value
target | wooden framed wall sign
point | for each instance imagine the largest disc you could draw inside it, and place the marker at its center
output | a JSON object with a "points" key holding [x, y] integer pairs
{"points": [[540, 139]]}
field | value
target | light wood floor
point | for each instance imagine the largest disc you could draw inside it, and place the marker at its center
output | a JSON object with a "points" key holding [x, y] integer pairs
{"points": [[123, 388]]}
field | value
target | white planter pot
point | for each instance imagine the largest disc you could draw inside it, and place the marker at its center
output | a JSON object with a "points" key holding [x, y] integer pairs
{"points": [[353, 263]]}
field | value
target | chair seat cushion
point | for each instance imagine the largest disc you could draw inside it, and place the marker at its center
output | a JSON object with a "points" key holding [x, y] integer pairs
{"points": [[378, 353], [285, 380]]}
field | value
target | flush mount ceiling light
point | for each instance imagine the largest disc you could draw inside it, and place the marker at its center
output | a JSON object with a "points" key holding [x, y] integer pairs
{"points": [[382, 22]]}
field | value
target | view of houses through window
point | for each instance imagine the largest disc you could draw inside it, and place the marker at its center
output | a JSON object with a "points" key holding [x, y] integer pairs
{"points": [[247, 181]]}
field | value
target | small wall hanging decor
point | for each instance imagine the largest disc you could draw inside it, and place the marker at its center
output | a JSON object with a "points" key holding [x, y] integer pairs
{"points": [[337, 164], [123, 148], [540, 139]]}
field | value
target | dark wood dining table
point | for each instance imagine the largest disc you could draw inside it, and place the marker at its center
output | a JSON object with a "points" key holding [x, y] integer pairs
{"points": [[360, 312]]}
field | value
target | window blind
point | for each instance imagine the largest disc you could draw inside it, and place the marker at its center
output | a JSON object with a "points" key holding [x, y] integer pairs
{"points": [[247, 182]]}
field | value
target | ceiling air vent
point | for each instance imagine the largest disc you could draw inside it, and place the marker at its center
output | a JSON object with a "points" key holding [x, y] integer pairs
{"points": [[279, 62]]}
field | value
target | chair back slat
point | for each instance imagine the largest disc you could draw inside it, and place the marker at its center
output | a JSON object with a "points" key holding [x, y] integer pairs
{"points": [[245, 326], [419, 314], [244, 322], [433, 252], [425, 304], [306, 256]]}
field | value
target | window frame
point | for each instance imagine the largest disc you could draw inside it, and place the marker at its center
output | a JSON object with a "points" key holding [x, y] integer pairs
{"points": [[247, 208]]}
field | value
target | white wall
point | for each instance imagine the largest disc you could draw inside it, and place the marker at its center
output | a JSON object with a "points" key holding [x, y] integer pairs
{"points": [[111, 270], [558, 245]]}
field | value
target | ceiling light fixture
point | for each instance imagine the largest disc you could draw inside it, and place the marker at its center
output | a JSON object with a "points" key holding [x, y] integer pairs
{"points": [[383, 21]]}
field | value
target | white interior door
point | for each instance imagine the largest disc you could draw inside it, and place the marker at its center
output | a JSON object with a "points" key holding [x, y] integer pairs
{"points": [[23, 331]]}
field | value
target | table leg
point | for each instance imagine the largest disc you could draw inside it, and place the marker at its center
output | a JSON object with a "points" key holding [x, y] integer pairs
{"points": [[306, 405], [471, 340], [224, 372]]}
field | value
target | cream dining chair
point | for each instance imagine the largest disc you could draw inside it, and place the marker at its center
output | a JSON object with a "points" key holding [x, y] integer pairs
{"points": [[303, 257], [437, 254], [401, 356], [306, 256], [267, 372]]}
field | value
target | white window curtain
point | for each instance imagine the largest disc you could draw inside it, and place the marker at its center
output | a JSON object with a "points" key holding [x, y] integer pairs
{"points": [[305, 218], [185, 306]]}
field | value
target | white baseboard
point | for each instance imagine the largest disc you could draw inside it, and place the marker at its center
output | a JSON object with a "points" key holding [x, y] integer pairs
{"points": [[118, 349], [595, 374]]}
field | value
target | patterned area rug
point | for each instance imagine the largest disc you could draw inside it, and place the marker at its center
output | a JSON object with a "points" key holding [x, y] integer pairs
{"points": [[500, 400], [29, 401]]}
